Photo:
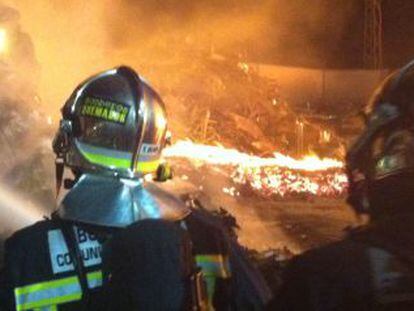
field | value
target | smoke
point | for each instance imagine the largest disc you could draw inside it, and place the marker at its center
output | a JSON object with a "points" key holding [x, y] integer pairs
{"points": [[74, 39]]}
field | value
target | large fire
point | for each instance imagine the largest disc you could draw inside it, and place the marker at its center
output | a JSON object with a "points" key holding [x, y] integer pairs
{"points": [[279, 175], [222, 156]]}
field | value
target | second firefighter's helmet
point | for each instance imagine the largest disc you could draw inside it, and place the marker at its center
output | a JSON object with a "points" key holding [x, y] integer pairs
{"points": [[380, 163], [114, 123]]}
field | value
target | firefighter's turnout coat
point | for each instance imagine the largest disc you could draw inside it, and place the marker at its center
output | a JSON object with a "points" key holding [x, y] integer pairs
{"points": [[39, 273]]}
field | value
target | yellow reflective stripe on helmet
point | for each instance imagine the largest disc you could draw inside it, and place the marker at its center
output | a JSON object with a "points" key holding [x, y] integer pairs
{"points": [[147, 166], [214, 265], [105, 160], [49, 293]]}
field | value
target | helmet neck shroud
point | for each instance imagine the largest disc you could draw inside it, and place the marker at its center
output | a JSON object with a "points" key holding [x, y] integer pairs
{"points": [[116, 202]]}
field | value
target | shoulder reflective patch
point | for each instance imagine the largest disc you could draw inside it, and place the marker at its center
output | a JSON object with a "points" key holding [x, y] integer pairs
{"points": [[214, 265], [47, 295], [59, 253]]}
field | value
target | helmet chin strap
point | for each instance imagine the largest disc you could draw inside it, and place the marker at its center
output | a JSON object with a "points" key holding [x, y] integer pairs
{"points": [[59, 170]]}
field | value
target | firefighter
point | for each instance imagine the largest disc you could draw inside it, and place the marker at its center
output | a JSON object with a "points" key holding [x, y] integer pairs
{"points": [[373, 267], [111, 134]]}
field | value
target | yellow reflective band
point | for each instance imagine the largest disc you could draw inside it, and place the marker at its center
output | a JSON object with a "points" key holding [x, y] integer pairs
{"points": [[49, 301], [211, 288], [49, 308], [214, 265], [147, 166], [144, 167], [47, 295], [94, 279], [49, 284]]}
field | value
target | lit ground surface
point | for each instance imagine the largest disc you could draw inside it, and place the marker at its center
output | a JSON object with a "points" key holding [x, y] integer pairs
{"points": [[297, 225]]}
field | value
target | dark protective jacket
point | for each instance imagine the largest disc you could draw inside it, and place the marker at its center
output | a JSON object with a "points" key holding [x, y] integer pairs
{"points": [[145, 256], [39, 274], [372, 269]]}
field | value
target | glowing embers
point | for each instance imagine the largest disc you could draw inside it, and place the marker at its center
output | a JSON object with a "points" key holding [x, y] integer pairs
{"points": [[282, 182], [280, 176]]}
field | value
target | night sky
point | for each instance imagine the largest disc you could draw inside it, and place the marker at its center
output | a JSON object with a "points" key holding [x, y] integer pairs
{"points": [[338, 41]]}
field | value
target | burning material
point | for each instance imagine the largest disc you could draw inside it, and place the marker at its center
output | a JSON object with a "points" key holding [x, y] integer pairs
{"points": [[282, 182], [218, 155], [280, 175]]}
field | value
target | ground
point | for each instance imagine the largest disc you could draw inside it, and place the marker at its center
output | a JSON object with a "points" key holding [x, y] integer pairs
{"points": [[296, 224]]}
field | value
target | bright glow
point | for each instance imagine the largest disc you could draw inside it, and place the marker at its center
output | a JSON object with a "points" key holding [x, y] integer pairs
{"points": [[161, 121], [3, 41], [280, 175], [223, 156], [244, 67], [326, 136]]}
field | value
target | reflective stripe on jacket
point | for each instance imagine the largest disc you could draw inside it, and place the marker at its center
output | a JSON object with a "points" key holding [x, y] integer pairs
{"points": [[39, 273], [49, 294]]}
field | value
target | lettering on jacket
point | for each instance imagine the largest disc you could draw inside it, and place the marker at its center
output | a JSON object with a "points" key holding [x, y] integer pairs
{"points": [[60, 258]]}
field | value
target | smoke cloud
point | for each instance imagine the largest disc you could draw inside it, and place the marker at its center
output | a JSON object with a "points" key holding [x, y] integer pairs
{"points": [[74, 39]]}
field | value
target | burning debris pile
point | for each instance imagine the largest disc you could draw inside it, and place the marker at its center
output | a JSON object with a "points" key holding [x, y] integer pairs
{"points": [[230, 112], [279, 176], [224, 99]]}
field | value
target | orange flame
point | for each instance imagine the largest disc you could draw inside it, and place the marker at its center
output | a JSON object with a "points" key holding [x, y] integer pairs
{"points": [[218, 155], [280, 175]]}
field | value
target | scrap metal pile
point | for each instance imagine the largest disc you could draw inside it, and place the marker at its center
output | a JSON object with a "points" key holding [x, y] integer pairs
{"points": [[279, 176]]}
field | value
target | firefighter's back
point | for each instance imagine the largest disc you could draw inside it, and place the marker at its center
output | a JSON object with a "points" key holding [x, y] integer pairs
{"points": [[39, 272]]}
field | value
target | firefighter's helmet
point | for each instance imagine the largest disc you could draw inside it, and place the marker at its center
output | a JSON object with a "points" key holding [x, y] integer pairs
{"points": [[382, 158], [112, 131], [114, 123]]}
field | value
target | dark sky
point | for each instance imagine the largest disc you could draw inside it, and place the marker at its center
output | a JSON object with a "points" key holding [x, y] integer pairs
{"points": [[335, 37], [311, 33]]}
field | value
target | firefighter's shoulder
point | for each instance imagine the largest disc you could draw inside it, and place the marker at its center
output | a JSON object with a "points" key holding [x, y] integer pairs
{"points": [[207, 230], [28, 235], [336, 270], [332, 259]]}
